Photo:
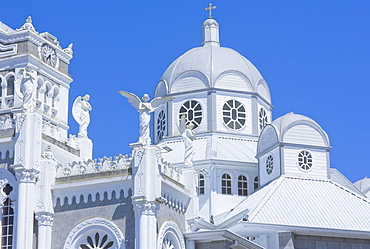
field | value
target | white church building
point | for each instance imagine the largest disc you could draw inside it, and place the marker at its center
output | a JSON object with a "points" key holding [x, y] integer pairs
{"points": [[217, 173]]}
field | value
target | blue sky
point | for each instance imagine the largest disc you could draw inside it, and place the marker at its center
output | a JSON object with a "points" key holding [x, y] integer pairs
{"points": [[313, 54]]}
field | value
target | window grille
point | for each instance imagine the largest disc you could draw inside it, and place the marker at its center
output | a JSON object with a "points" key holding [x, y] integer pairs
{"points": [[242, 185], [226, 184], [256, 183], [7, 221], [201, 184]]}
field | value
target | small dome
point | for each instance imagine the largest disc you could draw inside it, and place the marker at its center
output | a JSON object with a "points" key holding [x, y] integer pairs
{"points": [[293, 129], [302, 125], [212, 66]]}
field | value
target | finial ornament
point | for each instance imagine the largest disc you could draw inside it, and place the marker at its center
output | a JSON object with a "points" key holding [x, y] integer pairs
{"points": [[27, 25], [210, 8]]}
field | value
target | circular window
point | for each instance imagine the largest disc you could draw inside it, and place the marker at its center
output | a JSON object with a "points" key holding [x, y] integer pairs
{"points": [[269, 164], [161, 125], [192, 111], [234, 114], [262, 118], [305, 160], [98, 242]]}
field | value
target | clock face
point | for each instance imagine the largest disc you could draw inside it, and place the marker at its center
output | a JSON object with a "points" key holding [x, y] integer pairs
{"points": [[48, 54]]}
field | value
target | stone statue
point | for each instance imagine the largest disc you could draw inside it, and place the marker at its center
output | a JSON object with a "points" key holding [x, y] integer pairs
{"points": [[81, 113], [24, 86], [145, 108], [189, 135]]}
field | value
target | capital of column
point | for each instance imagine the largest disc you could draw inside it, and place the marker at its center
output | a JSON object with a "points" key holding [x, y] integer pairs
{"points": [[25, 175], [145, 207], [44, 218]]}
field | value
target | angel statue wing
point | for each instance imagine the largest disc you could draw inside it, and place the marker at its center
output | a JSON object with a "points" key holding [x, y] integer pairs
{"points": [[76, 110], [157, 102], [132, 98], [18, 82]]}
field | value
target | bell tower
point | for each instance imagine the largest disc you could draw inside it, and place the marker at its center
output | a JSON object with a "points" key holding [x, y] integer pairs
{"points": [[34, 93]]}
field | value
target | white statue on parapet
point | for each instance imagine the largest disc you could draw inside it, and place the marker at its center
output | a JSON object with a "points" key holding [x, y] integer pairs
{"points": [[81, 113], [24, 86], [189, 135], [145, 108]]}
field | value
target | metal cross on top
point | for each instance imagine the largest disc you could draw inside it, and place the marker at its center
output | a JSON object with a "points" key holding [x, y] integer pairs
{"points": [[210, 8]]}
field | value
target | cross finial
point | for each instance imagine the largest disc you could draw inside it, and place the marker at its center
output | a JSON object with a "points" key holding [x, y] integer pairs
{"points": [[210, 8]]}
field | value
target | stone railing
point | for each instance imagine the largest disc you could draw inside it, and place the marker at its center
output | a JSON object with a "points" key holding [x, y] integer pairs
{"points": [[172, 172], [94, 166]]}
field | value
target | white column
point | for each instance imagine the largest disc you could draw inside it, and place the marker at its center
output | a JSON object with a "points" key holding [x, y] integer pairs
{"points": [[190, 244], [45, 224], [25, 207], [146, 224]]}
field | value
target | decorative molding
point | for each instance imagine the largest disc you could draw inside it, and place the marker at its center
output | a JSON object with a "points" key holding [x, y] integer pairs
{"points": [[48, 154], [145, 207], [7, 178], [171, 236], [51, 130], [27, 25], [8, 50], [69, 49], [90, 196], [95, 166], [172, 202], [44, 218], [19, 119], [26, 175], [86, 227]]}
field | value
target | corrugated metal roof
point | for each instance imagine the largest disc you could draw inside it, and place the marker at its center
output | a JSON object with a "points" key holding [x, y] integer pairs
{"points": [[214, 147], [308, 203]]}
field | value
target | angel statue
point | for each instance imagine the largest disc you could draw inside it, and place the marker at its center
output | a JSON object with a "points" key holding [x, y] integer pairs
{"points": [[145, 108], [81, 113], [189, 135], [24, 86]]}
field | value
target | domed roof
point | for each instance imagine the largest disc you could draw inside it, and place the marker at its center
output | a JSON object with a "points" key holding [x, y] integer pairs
{"points": [[213, 66], [294, 129], [285, 123]]}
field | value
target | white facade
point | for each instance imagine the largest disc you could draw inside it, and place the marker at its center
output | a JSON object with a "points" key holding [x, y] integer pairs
{"points": [[254, 182]]}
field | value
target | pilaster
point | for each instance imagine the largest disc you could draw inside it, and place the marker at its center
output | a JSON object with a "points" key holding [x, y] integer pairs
{"points": [[147, 193], [44, 210], [25, 206], [45, 223], [145, 223], [191, 184]]}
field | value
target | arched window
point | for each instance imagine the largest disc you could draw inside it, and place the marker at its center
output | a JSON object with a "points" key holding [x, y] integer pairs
{"points": [[226, 184], [256, 183], [7, 221], [10, 86], [201, 184], [242, 185]]}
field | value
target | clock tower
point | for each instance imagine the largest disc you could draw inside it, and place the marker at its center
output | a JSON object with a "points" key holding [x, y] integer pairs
{"points": [[34, 93]]}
